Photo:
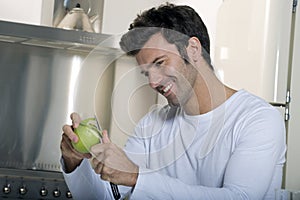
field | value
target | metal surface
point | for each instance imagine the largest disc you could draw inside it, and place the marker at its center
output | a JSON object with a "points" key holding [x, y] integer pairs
{"points": [[33, 105], [45, 75], [40, 87], [56, 37], [93, 8], [26, 184]]}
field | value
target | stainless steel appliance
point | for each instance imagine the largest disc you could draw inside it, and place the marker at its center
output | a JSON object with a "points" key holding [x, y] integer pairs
{"points": [[43, 77]]}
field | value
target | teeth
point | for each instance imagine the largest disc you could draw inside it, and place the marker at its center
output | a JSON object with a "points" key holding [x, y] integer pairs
{"points": [[167, 88]]}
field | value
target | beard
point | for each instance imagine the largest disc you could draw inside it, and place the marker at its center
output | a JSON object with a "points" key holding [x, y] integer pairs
{"points": [[185, 82]]}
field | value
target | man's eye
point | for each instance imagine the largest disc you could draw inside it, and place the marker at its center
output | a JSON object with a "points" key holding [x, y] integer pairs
{"points": [[159, 63]]}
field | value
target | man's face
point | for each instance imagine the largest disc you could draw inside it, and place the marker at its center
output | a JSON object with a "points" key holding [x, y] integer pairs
{"points": [[167, 72]]}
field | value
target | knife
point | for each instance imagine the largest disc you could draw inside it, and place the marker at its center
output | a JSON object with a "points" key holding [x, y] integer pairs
{"points": [[114, 187]]}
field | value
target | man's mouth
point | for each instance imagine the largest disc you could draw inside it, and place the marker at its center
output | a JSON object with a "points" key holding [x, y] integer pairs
{"points": [[167, 88]]}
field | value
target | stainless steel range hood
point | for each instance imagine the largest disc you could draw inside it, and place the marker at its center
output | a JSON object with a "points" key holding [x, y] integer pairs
{"points": [[57, 38]]}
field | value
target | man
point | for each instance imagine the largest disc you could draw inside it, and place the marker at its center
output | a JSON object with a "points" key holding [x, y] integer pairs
{"points": [[210, 142]]}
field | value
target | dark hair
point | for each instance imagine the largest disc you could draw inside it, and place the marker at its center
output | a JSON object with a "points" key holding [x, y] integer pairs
{"points": [[176, 23]]}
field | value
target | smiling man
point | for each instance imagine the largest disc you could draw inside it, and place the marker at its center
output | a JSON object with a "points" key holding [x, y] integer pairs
{"points": [[209, 142]]}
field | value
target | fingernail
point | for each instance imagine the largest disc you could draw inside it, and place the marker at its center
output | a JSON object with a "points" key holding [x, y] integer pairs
{"points": [[74, 139]]}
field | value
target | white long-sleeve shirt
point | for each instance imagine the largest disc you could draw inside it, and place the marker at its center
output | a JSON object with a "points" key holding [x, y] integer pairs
{"points": [[236, 151]]}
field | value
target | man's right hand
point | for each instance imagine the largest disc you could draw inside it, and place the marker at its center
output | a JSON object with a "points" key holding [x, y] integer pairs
{"points": [[71, 157]]}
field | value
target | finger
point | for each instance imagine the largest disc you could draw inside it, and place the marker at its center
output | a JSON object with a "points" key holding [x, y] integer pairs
{"points": [[68, 131], [107, 173], [97, 166], [75, 119], [96, 161], [97, 151], [105, 177], [105, 138], [68, 150]]}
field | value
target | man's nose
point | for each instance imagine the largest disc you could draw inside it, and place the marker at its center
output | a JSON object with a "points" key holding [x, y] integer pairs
{"points": [[154, 78]]}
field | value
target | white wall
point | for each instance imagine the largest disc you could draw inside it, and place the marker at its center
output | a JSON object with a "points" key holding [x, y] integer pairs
{"points": [[37, 12], [117, 15]]}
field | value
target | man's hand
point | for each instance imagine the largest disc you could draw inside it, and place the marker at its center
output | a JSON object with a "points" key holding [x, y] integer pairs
{"points": [[72, 158], [112, 163]]}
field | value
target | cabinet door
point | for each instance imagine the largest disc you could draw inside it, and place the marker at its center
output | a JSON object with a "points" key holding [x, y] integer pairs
{"points": [[293, 138], [252, 46]]}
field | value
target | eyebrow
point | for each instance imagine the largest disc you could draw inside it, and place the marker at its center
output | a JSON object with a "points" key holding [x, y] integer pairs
{"points": [[158, 58], [153, 62]]}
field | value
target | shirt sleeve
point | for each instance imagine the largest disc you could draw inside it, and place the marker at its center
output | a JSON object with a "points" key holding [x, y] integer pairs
{"points": [[259, 152], [85, 184]]}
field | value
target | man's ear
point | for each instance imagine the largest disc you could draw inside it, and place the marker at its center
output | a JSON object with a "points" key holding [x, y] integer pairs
{"points": [[194, 49]]}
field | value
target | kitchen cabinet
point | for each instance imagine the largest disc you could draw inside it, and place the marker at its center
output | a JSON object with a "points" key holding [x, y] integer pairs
{"points": [[37, 12], [252, 51]]}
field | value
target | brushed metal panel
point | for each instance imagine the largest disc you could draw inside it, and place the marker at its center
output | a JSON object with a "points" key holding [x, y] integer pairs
{"points": [[40, 87]]}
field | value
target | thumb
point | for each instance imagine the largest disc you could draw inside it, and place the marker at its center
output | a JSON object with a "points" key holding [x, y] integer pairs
{"points": [[105, 138]]}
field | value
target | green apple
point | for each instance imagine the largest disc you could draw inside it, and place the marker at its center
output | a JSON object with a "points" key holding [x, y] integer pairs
{"points": [[88, 135]]}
